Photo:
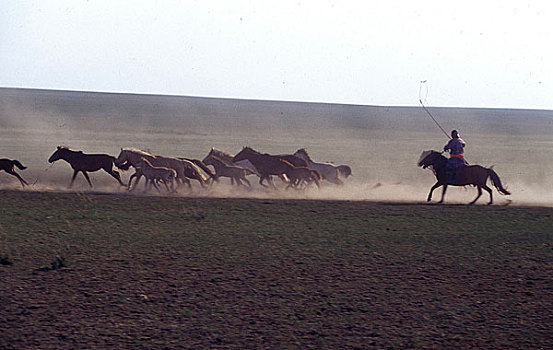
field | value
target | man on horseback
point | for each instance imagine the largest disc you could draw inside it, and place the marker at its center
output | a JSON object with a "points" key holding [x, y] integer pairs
{"points": [[455, 146]]}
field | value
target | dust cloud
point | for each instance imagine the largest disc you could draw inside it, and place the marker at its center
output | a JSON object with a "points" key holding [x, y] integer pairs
{"points": [[381, 144]]}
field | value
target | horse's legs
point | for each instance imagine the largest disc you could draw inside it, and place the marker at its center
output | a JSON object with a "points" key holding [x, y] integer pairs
{"points": [[23, 182], [490, 192], [443, 193], [317, 183], [152, 181], [75, 172], [87, 178], [135, 175], [261, 180], [167, 187], [436, 185], [478, 196], [237, 179], [115, 174], [243, 178]]}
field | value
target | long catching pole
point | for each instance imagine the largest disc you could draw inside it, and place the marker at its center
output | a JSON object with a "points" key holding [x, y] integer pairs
{"points": [[428, 112]]}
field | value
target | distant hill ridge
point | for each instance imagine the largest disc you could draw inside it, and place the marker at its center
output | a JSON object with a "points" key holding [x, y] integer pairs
{"points": [[172, 111]]}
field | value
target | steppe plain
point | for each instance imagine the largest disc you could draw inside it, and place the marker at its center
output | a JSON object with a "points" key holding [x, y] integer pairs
{"points": [[367, 265]]}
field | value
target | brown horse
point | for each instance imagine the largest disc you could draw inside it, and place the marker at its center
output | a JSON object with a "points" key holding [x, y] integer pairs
{"points": [[82, 162], [475, 175], [265, 164], [200, 164], [301, 174], [155, 174], [8, 166], [222, 169]]}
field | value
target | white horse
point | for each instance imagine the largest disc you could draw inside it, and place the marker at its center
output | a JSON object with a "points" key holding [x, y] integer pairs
{"points": [[328, 171], [227, 158]]}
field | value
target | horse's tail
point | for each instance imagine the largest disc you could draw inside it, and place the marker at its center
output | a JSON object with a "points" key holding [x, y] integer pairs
{"points": [[497, 182], [344, 170], [18, 164]]}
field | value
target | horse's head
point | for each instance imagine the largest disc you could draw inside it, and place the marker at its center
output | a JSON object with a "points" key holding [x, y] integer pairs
{"points": [[208, 160], [58, 154], [121, 158], [244, 154], [429, 158], [211, 153]]}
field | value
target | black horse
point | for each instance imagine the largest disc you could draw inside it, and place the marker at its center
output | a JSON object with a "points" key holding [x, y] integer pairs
{"points": [[8, 165], [474, 175]]}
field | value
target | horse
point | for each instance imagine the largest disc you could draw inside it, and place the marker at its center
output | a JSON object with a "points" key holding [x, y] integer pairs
{"points": [[265, 164], [84, 163], [227, 158], [300, 174], [328, 171], [8, 165], [475, 175], [155, 174], [200, 164], [236, 173], [184, 168]]}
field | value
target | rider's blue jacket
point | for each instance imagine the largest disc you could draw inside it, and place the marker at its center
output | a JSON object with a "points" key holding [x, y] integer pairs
{"points": [[456, 146]]}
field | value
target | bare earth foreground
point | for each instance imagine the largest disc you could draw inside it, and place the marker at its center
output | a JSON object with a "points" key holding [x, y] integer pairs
{"points": [[85, 271]]}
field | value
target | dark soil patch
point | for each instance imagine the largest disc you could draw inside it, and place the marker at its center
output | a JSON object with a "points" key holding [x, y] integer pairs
{"points": [[157, 273]]}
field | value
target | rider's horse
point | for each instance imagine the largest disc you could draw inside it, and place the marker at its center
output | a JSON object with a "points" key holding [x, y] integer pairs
{"points": [[8, 166], [83, 162], [475, 175]]}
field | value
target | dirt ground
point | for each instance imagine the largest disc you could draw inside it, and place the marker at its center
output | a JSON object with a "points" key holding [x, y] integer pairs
{"points": [[110, 271]]}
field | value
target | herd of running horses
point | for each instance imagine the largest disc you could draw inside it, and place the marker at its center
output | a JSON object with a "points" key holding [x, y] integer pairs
{"points": [[297, 170]]}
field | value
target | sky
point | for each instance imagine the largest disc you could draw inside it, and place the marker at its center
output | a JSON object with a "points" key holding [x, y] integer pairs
{"points": [[468, 54]]}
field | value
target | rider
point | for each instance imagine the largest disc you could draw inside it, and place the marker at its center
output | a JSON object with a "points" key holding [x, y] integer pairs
{"points": [[455, 146]]}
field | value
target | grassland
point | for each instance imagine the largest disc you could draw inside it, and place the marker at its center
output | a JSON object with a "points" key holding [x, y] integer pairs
{"points": [[105, 271]]}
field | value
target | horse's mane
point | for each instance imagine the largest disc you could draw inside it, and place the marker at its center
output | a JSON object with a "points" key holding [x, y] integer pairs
{"points": [[220, 153], [139, 151], [424, 154], [147, 162], [221, 160], [302, 150]]}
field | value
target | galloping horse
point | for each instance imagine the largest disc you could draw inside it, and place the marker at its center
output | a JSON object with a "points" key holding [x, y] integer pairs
{"points": [[184, 168], [154, 174], [265, 164], [227, 157], [328, 171], [8, 166], [301, 174], [236, 173], [200, 164], [82, 162], [475, 175]]}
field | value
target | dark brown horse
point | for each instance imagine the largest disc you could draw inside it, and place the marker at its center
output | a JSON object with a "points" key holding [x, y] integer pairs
{"points": [[301, 174], [474, 175], [8, 165], [265, 164], [82, 162]]}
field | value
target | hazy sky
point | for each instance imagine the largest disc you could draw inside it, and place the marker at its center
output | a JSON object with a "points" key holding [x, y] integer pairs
{"points": [[471, 53]]}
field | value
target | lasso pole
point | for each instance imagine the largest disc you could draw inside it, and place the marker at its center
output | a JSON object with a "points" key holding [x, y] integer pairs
{"points": [[428, 112]]}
